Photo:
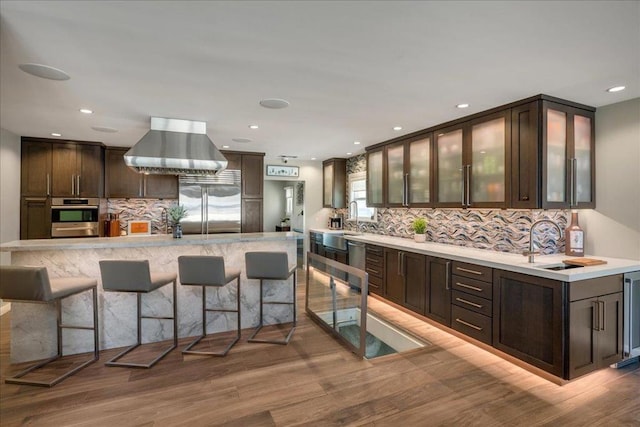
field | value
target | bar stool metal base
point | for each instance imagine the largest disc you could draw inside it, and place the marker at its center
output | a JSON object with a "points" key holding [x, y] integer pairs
{"points": [[286, 340], [17, 379], [224, 352], [114, 360]]}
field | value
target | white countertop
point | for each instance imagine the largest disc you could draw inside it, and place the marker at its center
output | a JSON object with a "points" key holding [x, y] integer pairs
{"points": [[142, 241], [504, 261]]}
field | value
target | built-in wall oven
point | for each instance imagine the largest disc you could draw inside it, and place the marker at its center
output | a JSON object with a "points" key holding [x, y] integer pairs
{"points": [[75, 217]]}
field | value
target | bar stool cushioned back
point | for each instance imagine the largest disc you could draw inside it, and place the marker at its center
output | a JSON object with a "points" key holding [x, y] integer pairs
{"points": [[135, 276], [205, 271], [271, 266], [33, 285]]}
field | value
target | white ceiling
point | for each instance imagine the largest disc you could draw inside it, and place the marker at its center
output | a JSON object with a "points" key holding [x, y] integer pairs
{"points": [[351, 70]]}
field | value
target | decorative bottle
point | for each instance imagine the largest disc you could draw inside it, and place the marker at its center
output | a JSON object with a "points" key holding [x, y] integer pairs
{"points": [[574, 237]]}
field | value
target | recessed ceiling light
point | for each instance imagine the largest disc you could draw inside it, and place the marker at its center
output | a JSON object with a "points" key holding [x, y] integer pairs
{"points": [[86, 111], [225, 146], [397, 128], [274, 103], [462, 105], [56, 134], [105, 129], [348, 154], [356, 142], [253, 126], [616, 88], [241, 140], [313, 158], [44, 71]]}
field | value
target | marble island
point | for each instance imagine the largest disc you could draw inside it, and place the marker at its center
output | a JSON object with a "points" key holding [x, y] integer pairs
{"points": [[33, 326]]}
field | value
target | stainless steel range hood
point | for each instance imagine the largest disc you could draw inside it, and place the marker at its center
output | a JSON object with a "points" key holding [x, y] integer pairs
{"points": [[177, 147]]}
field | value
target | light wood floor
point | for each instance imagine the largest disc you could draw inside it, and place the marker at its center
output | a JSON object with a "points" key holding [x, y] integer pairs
{"points": [[316, 381]]}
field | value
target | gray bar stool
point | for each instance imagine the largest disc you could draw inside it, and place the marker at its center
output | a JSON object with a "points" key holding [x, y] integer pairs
{"points": [[207, 271], [271, 266], [33, 285], [135, 276]]}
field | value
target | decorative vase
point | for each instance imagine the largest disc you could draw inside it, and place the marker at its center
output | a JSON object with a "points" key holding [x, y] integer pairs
{"points": [[177, 231], [420, 238]]}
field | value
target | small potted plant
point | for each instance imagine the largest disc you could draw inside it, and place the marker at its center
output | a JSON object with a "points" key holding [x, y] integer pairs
{"points": [[419, 228], [176, 214]]}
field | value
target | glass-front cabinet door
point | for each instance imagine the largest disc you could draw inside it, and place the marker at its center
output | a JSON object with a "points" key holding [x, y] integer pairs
{"points": [[568, 159], [396, 178], [449, 168], [419, 178], [487, 170], [375, 178], [328, 185]]}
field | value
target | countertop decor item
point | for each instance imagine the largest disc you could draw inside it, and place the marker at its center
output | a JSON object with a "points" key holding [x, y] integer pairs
{"points": [[420, 227], [574, 237], [176, 214]]}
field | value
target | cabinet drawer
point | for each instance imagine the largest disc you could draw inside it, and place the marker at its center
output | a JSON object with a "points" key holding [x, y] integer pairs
{"points": [[374, 271], [472, 324], [472, 287], [472, 302], [472, 271], [375, 285], [375, 250], [374, 260]]}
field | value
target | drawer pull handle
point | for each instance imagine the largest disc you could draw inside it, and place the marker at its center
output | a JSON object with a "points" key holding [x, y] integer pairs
{"points": [[469, 287], [373, 270], [477, 328], [473, 304], [479, 273]]}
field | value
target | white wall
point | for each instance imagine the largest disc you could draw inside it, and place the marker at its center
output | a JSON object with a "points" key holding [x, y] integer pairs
{"points": [[613, 228], [315, 216], [273, 209], [9, 190]]}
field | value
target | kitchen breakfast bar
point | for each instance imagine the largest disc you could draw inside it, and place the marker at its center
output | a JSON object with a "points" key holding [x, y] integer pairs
{"points": [[33, 326]]}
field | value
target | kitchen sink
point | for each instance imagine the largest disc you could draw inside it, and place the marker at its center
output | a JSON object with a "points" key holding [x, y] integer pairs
{"points": [[558, 267]]}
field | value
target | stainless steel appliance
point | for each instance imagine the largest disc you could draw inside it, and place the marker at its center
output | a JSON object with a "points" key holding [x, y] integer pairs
{"points": [[631, 340], [213, 203], [357, 260], [74, 217], [335, 222]]}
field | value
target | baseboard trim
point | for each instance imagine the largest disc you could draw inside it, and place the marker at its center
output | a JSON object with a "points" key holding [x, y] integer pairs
{"points": [[5, 308]]}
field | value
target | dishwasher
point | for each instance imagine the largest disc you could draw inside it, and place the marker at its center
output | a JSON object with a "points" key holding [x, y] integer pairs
{"points": [[357, 260]]}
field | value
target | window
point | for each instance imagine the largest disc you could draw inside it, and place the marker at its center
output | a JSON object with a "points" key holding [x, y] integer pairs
{"points": [[288, 197], [358, 193]]}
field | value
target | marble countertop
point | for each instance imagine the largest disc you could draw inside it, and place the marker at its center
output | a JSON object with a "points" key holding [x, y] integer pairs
{"points": [[504, 261], [143, 241]]}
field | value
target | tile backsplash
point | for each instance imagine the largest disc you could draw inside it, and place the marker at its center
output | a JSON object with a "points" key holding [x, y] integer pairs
{"points": [[140, 209], [504, 230]]}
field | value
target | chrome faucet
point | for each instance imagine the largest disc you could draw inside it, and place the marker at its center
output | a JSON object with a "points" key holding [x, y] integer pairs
{"points": [[356, 215], [531, 253]]}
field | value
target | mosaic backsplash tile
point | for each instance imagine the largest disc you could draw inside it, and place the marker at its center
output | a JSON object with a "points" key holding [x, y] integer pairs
{"points": [[140, 210], [493, 229]]}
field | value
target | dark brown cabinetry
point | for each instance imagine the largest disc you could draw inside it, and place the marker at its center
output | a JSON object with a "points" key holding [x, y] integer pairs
{"points": [[252, 173], [62, 169], [35, 168], [473, 162], [471, 310], [124, 182], [595, 319], [35, 218], [529, 319], [438, 302], [374, 265], [405, 279], [526, 167], [334, 183]]}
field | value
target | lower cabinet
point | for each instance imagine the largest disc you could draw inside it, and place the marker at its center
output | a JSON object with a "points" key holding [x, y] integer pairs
{"points": [[596, 321], [529, 319], [35, 218], [405, 279], [251, 215], [374, 266], [438, 289]]}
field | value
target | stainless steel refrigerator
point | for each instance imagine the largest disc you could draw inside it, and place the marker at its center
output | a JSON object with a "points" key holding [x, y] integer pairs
{"points": [[213, 203]]}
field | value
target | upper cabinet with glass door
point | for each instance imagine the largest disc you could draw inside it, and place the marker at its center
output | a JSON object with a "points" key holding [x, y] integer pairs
{"points": [[568, 143], [473, 163]]}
